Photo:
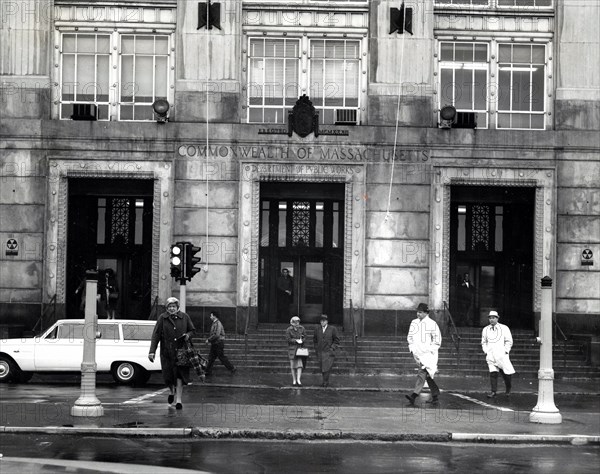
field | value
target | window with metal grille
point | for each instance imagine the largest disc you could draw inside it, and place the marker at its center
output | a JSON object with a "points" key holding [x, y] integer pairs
{"points": [[521, 86], [121, 74], [464, 78], [279, 70]]}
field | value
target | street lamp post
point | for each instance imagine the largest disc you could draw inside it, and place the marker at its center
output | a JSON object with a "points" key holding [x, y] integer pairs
{"points": [[88, 404], [545, 411]]}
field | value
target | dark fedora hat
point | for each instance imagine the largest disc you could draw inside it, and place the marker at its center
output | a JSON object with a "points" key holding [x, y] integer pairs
{"points": [[423, 308]]}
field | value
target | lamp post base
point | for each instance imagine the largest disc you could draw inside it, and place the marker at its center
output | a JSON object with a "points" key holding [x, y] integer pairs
{"points": [[545, 417], [88, 411]]}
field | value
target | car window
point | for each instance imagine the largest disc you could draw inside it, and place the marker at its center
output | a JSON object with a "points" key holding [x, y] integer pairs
{"points": [[109, 332], [53, 334], [70, 331], [137, 332]]}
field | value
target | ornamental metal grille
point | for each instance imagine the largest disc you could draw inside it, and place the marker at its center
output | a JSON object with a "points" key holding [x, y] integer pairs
{"points": [[480, 229], [300, 223], [119, 228]]}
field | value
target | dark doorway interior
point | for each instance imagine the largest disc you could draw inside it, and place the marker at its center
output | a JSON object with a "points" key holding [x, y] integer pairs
{"points": [[491, 254], [301, 234], [110, 226]]}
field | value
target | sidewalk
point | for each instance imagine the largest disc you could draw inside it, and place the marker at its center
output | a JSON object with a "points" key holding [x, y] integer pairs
{"points": [[464, 414]]}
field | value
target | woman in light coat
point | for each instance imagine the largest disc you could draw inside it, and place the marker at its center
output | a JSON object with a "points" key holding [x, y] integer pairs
{"points": [[295, 335]]}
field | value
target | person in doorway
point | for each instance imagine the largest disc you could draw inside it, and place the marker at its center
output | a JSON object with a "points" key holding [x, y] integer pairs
{"points": [[295, 335], [112, 293], [216, 339], [172, 329], [80, 291], [424, 341], [327, 343], [496, 341], [285, 287], [466, 294]]}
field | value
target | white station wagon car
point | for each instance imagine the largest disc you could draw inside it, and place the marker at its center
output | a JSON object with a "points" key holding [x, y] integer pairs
{"points": [[121, 349]]}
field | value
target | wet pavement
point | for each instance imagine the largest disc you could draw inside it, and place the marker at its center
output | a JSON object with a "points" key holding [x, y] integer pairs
{"points": [[265, 406]]}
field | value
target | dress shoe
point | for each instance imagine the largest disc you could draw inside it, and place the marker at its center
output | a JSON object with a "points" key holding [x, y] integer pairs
{"points": [[178, 406], [299, 384], [294, 384], [233, 371], [411, 399], [433, 401], [170, 399], [491, 395]]}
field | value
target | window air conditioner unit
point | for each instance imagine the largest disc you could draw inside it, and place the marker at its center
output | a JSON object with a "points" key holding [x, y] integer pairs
{"points": [[465, 120], [345, 116], [85, 112]]}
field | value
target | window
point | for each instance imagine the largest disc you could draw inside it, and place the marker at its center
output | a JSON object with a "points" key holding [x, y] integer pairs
{"points": [[508, 93], [122, 74], [280, 71], [521, 73], [496, 3], [464, 78]]}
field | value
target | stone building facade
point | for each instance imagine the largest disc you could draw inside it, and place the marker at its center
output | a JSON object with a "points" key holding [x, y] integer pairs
{"points": [[385, 206]]}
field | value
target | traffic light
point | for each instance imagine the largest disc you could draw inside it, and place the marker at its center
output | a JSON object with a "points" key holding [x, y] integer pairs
{"points": [[190, 261], [177, 256]]}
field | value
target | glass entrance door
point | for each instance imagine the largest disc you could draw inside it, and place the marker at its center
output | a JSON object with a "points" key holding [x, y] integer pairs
{"points": [[491, 255], [301, 253]]}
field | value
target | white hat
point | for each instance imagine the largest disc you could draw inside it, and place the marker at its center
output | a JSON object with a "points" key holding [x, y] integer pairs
{"points": [[294, 318], [172, 299], [493, 314]]}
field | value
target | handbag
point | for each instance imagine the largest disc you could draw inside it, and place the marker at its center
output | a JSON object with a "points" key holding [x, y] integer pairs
{"points": [[301, 352], [113, 295], [182, 359]]}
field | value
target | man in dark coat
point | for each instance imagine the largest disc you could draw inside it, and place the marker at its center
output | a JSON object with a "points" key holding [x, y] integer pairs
{"points": [[285, 288], [326, 344]]}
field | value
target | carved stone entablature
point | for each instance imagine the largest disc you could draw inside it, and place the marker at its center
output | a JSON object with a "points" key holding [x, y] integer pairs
{"points": [[139, 14], [249, 216], [542, 179], [60, 170], [497, 24], [332, 18]]}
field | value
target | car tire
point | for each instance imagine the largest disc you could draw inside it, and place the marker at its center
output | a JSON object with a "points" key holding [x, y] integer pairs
{"points": [[126, 372], [9, 370]]}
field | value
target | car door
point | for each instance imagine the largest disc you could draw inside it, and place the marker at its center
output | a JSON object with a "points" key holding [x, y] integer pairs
{"points": [[109, 347], [61, 350]]}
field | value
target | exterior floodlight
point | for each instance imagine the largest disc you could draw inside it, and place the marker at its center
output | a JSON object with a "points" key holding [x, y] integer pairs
{"points": [[447, 116], [161, 108]]}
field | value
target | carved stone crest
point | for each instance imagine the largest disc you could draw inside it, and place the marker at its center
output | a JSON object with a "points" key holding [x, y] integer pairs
{"points": [[303, 119]]}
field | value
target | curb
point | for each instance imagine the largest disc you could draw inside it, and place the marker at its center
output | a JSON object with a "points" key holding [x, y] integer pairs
{"points": [[306, 435], [577, 440]]}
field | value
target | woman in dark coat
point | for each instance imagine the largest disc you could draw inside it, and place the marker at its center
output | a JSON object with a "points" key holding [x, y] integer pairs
{"points": [[295, 335], [172, 329]]}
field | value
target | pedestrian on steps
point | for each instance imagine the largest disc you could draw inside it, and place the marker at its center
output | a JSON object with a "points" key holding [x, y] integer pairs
{"points": [[496, 341]]}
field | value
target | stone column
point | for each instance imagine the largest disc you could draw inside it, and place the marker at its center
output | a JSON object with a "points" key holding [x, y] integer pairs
{"points": [[88, 404], [545, 411]]}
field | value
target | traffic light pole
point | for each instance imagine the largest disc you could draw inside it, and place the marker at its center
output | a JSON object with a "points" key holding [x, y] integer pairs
{"points": [[182, 295]]}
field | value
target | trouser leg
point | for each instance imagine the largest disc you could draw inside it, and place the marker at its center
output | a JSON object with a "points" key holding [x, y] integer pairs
{"points": [[507, 381], [494, 381], [435, 390], [421, 377], [222, 357], [212, 356]]}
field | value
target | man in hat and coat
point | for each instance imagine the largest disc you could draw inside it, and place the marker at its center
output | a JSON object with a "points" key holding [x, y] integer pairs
{"points": [[496, 341], [326, 344], [424, 341]]}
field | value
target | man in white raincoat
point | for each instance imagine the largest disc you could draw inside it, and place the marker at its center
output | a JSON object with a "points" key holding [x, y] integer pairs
{"points": [[424, 340], [496, 341]]}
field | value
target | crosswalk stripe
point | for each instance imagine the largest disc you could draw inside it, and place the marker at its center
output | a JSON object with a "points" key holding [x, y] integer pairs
{"points": [[479, 402]]}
